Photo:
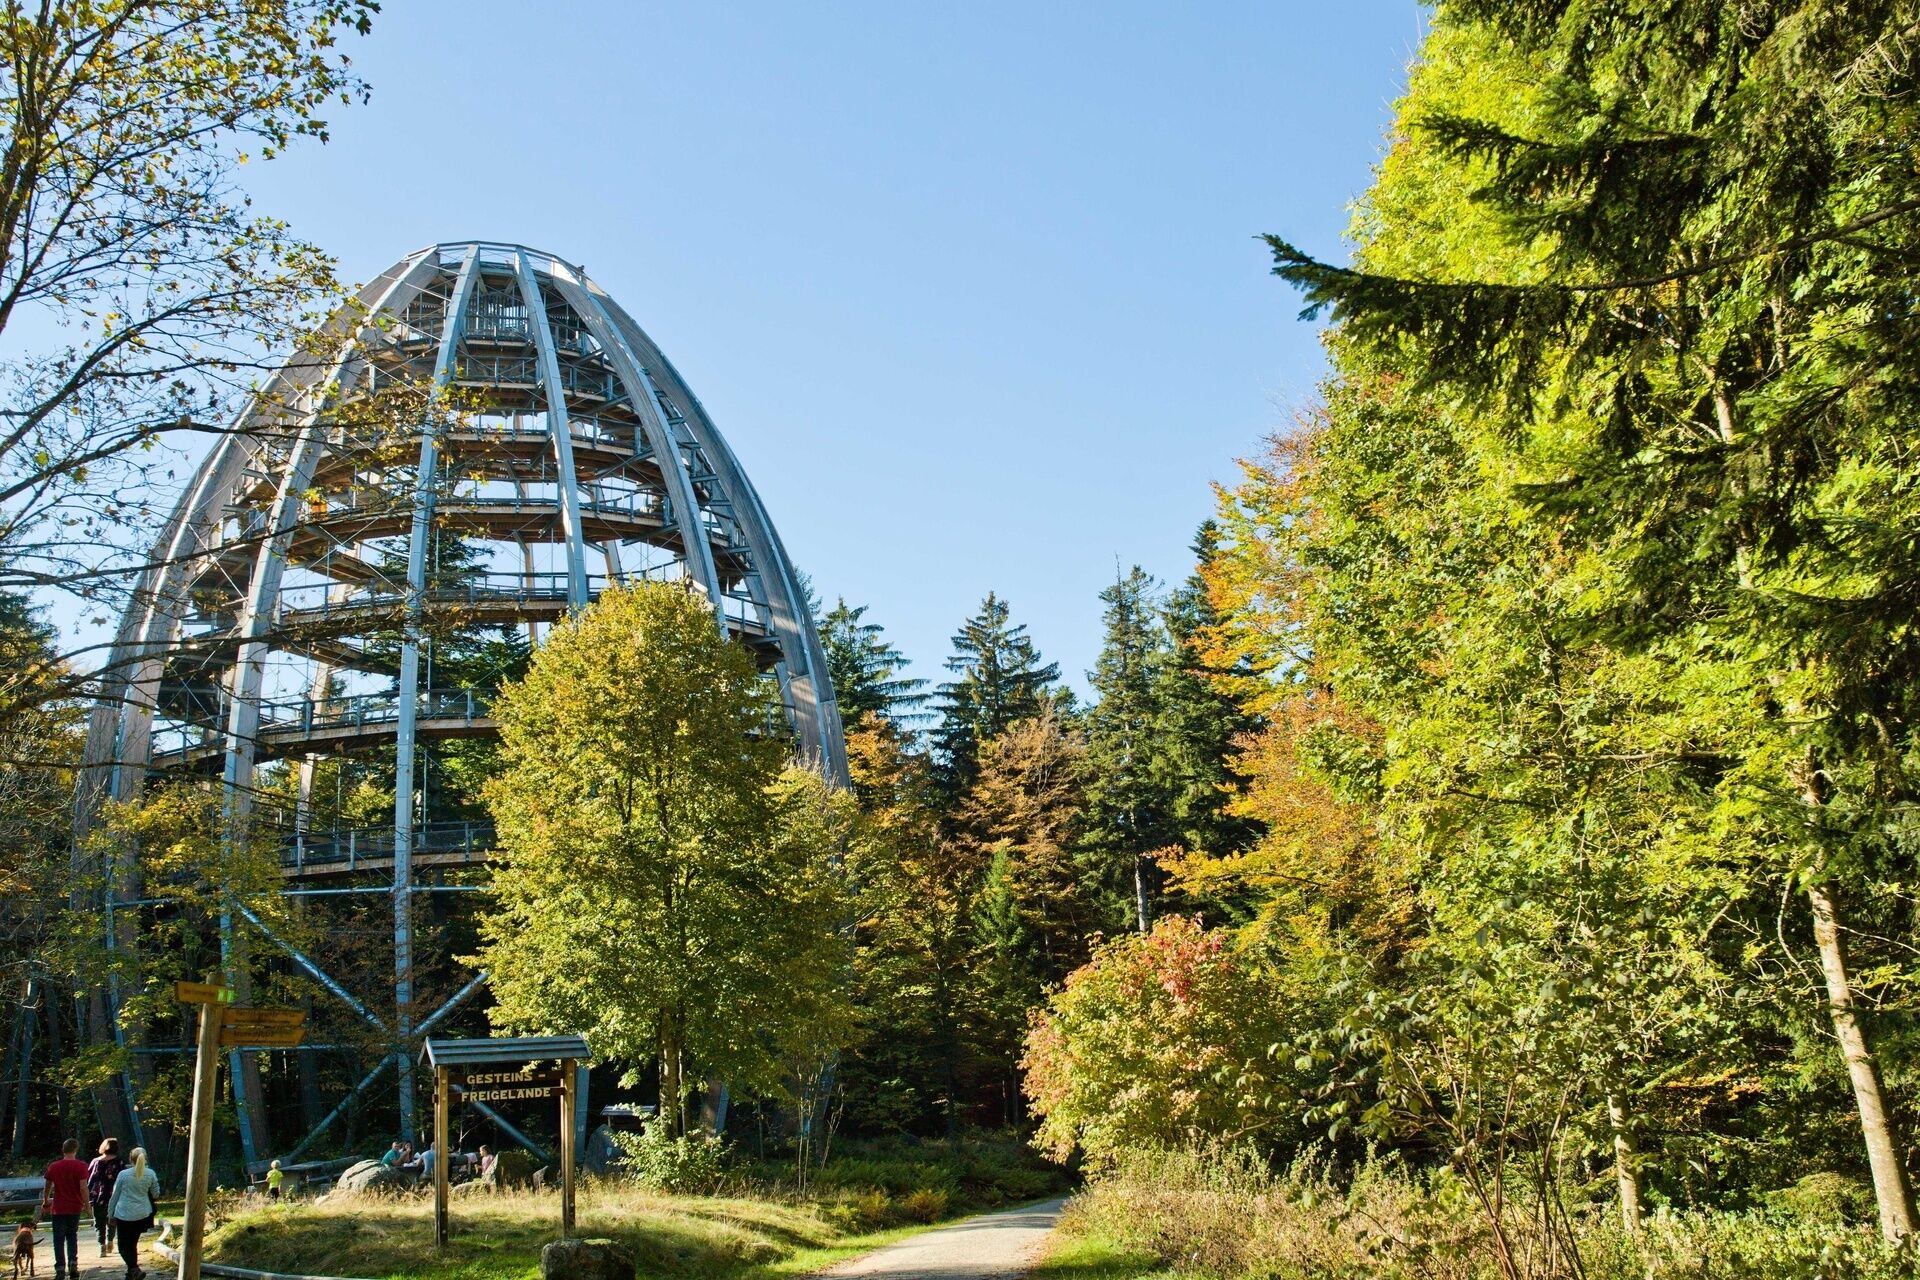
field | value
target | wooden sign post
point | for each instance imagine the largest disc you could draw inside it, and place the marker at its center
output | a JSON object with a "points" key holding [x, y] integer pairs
{"points": [[213, 1001], [221, 1027], [442, 1166], [503, 1070], [567, 1077]]}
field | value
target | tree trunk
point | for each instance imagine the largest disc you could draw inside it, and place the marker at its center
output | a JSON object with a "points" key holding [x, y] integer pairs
{"points": [[1626, 1165], [713, 1105], [7, 1069], [24, 1094], [672, 1087], [50, 1003], [1140, 921], [1890, 1189]]}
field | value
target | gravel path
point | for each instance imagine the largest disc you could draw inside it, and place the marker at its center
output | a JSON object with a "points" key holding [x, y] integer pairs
{"points": [[1006, 1243], [91, 1263]]}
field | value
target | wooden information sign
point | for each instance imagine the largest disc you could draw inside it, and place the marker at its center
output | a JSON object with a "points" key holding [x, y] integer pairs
{"points": [[262, 1028], [505, 1070], [508, 1086]]}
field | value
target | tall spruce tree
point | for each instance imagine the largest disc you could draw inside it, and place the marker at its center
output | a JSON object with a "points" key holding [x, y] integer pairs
{"points": [[1130, 806], [1199, 722], [1001, 679], [866, 668]]}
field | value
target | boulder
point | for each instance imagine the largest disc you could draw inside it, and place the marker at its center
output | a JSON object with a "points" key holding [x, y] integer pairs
{"points": [[370, 1176], [603, 1154], [513, 1170], [586, 1260]]}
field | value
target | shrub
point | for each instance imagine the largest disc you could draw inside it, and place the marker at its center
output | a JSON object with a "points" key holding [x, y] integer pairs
{"points": [[692, 1164], [860, 1209], [1158, 1041], [927, 1204], [1824, 1197]]}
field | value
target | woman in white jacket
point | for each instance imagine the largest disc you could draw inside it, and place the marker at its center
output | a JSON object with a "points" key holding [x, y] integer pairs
{"points": [[131, 1208]]}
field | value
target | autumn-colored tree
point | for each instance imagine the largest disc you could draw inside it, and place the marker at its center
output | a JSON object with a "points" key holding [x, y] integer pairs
{"points": [[1025, 814], [916, 893], [1163, 1039]]}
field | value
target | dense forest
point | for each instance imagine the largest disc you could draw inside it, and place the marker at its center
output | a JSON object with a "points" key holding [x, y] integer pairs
{"points": [[1522, 787]]}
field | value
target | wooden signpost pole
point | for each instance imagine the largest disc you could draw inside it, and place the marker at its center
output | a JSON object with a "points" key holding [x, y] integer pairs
{"points": [[567, 1074], [442, 1158], [212, 1000], [221, 1027]]}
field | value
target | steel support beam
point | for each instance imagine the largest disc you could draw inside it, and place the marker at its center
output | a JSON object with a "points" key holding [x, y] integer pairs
{"points": [[313, 970], [684, 503], [451, 1003], [314, 1133]]}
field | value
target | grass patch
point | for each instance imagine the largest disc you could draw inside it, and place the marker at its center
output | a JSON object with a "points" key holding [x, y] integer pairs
{"points": [[500, 1237], [1078, 1252], [922, 1180]]}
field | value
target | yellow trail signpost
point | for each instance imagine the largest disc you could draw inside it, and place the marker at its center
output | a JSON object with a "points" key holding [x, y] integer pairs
{"points": [[222, 1026]]}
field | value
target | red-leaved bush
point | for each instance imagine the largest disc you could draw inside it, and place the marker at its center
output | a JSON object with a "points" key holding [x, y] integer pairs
{"points": [[1166, 1039]]}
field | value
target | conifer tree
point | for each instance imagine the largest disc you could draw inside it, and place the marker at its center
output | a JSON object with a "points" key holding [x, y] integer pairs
{"points": [[1130, 805], [1001, 679], [1199, 722], [866, 668]]}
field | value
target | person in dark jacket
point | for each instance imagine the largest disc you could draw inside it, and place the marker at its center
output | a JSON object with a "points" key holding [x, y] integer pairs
{"points": [[101, 1174]]}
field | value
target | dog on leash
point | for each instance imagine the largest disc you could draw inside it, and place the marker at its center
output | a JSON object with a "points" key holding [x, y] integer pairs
{"points": [[23, 1243]]}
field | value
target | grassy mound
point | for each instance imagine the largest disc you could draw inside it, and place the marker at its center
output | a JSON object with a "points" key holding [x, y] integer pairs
{"points": [[499, 1237]]}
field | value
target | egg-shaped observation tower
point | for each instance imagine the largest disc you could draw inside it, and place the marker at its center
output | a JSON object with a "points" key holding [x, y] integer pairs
{"points": [[479, 447]]}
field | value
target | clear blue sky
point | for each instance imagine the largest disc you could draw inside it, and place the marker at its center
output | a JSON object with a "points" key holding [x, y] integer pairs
{"points": [[972, 289]]}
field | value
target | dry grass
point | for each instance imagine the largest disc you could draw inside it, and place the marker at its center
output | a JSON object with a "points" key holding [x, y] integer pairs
{"points": [[499, 1237], [1219, 1218]]}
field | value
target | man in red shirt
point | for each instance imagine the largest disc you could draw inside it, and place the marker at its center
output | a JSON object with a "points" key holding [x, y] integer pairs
{"points": [[65, 1200]]}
